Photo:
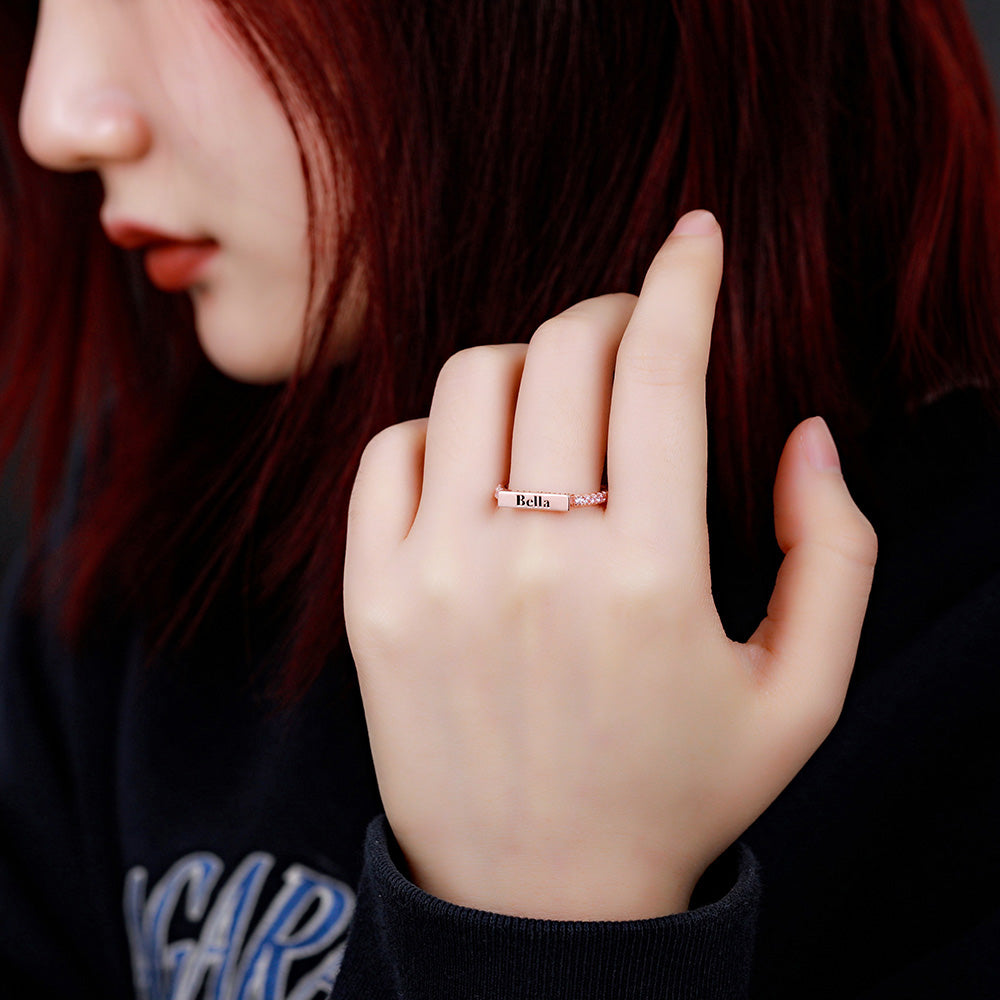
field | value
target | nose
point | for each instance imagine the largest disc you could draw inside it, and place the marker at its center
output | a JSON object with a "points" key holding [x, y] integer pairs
{"points": [[78, 111]]}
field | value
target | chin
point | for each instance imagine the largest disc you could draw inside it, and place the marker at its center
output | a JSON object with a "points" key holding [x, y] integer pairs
{"points": [[236, 357], [246, 348], [250, 369]]}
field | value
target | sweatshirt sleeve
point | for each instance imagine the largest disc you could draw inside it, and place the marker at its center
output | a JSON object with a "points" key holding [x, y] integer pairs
{"points": [[407, 944]]}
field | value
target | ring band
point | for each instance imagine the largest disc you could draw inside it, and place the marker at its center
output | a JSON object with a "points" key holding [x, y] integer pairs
{"points": [[532, 500]]}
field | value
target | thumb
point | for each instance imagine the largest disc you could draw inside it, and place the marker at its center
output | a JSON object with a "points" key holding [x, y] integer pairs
{"points": [[806, 645]]}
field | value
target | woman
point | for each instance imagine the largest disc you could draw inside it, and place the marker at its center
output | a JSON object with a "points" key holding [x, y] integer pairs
{"points": [[607, 767]]}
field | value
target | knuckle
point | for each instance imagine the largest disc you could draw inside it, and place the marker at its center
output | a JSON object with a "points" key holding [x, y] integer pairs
{"points": [[382, 441], [442, 580], [562, 331], [626, 300], [868, 539], [375, 624], [642, 586], [535, 571], [388, 442], [854, 543], [474, 364]]}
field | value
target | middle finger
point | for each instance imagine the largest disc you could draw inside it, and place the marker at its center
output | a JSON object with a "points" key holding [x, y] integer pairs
{"points": [[560, 433]]}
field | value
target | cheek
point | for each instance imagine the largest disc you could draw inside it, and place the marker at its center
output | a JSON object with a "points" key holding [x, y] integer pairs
{"points": [[251, 312], [244, 157]]}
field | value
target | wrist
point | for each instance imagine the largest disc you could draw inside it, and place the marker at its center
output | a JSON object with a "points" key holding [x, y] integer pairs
{"points": [[558, 886]]}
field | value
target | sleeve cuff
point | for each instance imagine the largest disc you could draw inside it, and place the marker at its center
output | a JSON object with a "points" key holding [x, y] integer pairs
{"points": [[420, 946]]}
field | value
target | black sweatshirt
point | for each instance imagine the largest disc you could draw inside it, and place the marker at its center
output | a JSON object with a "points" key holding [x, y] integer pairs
{"points": [[166, 834]]}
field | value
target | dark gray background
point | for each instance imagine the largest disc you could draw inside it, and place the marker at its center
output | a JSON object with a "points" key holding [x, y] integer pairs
{"points": [[985, 15]]}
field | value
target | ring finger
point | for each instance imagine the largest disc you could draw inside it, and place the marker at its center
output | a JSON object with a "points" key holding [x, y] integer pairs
{"points": [[560, 433]]}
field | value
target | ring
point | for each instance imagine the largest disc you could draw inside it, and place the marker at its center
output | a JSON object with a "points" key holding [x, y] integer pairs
{"points": [[530, 500]]}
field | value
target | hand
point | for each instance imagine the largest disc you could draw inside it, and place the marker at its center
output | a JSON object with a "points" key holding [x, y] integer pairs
{"points": [[560, 726]]}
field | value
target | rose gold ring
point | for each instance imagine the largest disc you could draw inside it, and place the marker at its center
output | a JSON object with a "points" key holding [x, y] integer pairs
{"points": [[531, 500]]}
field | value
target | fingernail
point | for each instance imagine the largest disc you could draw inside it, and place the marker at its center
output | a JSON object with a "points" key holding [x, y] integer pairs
{"points": [[700, 222], [820, 449]]}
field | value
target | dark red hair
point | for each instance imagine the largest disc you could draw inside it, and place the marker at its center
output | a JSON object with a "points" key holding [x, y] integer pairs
{"points": [[504, 161]]}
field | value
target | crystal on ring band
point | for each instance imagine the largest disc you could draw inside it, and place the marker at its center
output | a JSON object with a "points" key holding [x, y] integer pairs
{"points": [[589, 499]]}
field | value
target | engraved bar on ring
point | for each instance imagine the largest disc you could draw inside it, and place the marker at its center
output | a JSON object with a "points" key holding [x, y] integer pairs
{"points": [[533, 501]]}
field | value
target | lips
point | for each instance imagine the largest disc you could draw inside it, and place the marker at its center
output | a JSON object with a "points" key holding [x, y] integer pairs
{"points": [[173, 267], [172, 262]]}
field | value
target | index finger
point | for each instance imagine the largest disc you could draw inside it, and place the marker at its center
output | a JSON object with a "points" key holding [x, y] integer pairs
{"points": [[657, 433]]}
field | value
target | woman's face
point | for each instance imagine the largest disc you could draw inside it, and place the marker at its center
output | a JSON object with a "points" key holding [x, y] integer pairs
{"points": [[188, 140]]}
